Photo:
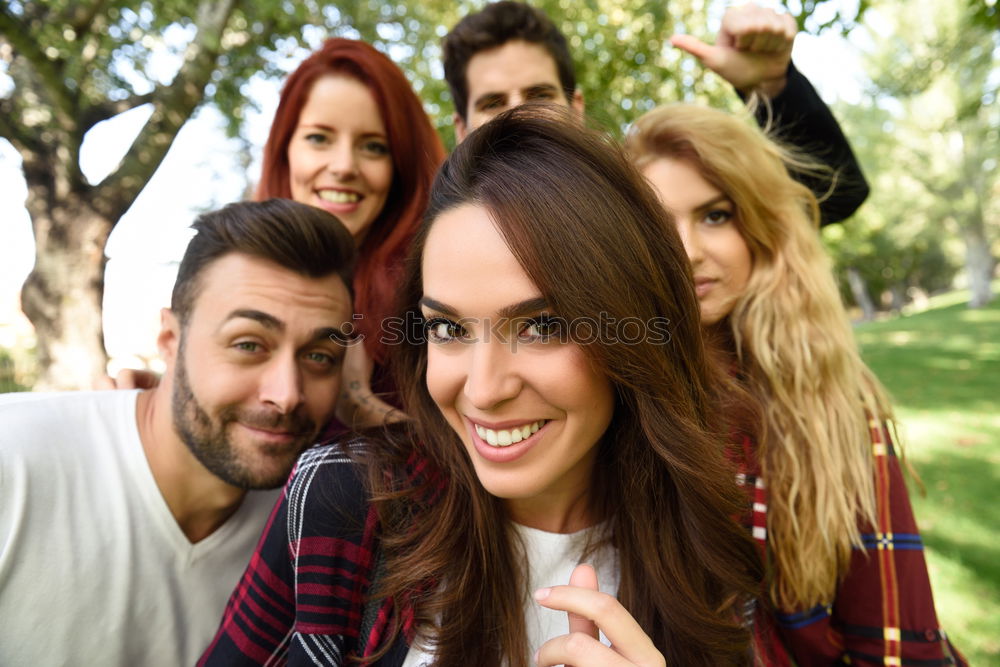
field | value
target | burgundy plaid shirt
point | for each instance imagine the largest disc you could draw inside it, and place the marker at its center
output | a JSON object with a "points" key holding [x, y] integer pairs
{"points": [[302, 598], [883, 613]]}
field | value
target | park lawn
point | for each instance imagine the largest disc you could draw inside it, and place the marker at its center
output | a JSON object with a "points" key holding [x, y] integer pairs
{"points": [[942, 367]]}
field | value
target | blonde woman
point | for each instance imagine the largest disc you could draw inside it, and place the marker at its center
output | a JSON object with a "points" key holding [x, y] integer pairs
{"points": [[847, 578]]}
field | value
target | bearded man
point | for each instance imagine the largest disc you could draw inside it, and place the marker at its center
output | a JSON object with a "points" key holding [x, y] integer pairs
{"points": [[127, 517]]}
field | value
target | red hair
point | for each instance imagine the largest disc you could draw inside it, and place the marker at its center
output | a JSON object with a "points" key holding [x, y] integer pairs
{"points": [[416, 153]]}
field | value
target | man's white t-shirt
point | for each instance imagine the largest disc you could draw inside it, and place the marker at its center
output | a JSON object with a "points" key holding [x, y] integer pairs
{"points": [[94, 570]]}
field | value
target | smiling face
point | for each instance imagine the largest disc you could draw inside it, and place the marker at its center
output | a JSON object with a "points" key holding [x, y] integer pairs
{"points": [[508, 76], [339, 156], [529, 410], [705, 217], [254, 371]]}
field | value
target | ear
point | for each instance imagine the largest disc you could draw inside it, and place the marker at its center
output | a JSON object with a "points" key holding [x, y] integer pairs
{"points": [[577, 103], [169, 339], [461, 131]]}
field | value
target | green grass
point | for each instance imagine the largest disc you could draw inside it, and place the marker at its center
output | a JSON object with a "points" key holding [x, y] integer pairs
{"points": [[942, 367]]}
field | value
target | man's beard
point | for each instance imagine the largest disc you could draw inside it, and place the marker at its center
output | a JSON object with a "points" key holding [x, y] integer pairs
{"points": [[209, 439]]}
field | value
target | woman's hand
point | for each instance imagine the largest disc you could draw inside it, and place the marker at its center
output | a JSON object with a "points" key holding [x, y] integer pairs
{"points": [[129, 378], [590, 612], [358, 406]]}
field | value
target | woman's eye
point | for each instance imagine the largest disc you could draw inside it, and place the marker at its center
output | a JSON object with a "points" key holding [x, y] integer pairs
{"points": [[541, 329], [376, 148], [315, 138], [718, 216], [442, 331]]}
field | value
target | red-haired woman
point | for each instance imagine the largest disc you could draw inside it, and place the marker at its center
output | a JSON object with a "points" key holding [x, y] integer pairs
{"points": [[350, 136]]}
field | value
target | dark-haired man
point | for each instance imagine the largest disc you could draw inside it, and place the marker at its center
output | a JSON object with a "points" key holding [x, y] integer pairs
{"points": [[510, 53], [127, 518]]}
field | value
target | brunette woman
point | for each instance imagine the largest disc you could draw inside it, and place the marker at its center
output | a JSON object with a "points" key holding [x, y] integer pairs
{"points": [[846, 573], [564, 412]]}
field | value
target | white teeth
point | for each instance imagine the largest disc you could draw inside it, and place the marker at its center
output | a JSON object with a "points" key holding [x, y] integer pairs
{"points": [[504, 437], [338, 197]]}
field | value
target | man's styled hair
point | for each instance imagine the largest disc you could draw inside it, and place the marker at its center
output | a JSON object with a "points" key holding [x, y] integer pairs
{"points": [[298, 237], [492, 27]]}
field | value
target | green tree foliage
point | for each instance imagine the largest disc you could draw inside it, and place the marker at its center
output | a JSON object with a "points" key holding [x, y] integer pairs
{"points": [[74, 64], [927, 134]]}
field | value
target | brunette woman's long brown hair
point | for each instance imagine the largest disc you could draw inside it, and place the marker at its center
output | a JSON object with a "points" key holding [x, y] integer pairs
{"points": [[594, 239], [416, 153]]}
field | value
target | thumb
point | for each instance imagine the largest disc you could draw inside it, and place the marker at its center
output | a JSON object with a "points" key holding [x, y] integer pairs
{"points": [[583, 576], [706, 53]]}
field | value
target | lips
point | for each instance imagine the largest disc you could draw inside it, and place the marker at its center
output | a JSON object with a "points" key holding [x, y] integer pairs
{"points": [[339, 201], [508, 436], [340, 196], [703, 286], [497, 452]]}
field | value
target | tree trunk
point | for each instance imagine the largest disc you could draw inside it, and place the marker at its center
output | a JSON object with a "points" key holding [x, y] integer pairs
{"points": [[898, 292], [979, 263], [62, 296], [860, 292]]}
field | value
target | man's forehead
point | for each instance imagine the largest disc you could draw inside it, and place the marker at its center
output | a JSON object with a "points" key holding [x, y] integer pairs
{"points": [[242, 281], [513, 65]]}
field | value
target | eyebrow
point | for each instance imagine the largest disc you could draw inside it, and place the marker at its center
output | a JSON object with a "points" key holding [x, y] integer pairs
{"points": [[267, 320], [272, 323], [331, 129], [488, 98], [513, 311], [541, 88], [713, 201]]}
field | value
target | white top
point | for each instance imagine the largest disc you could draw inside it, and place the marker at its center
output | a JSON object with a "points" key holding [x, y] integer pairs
{"points": [[94, 570], [551, 559]]}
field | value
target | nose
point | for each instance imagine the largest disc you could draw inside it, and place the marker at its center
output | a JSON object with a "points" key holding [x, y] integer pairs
{"points": [[342, 161], [690, 239], [281, 384], [492, 375]]}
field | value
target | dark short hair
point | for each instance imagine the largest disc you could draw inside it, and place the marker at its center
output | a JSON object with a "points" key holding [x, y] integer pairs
{"points": [[298, 237], [492, 27]]}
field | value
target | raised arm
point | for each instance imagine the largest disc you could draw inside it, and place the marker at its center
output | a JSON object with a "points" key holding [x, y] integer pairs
{"points": [[753, 52]]}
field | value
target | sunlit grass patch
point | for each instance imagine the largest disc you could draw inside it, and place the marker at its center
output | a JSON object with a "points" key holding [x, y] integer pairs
{"points": [[942, 367]]}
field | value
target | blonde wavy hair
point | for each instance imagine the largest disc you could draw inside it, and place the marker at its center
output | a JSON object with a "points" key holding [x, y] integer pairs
{"points": [[794, 346]]}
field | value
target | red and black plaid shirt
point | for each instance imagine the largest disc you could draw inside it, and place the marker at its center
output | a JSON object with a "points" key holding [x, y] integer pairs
{"points": [[883, 612], [302, 598]]}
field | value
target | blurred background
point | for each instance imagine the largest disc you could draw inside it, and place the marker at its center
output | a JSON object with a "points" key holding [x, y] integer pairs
{"points": [[120, 120]]}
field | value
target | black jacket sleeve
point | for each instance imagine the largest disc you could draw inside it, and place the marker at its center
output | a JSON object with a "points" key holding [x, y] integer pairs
{"points": [[800, 119]]}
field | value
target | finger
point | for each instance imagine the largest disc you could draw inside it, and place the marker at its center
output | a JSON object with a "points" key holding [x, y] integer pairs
{"points": [[579, 650], [706, 53], [762, 42], [104, 382], [129, 378], [607, 613], [583, 576]]}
